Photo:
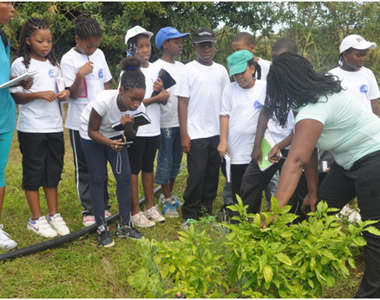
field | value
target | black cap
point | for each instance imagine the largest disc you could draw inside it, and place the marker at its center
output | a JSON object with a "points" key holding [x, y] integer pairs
{"points": [[204, 35]]}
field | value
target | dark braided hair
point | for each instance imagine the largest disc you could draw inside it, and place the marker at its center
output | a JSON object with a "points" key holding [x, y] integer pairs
{"points": [[257, 73], [87, 28], [132, 44], [132, 76], [292, 83], [27, 30]]}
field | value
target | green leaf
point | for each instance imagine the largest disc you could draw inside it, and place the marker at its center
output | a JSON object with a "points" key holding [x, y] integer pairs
{"points": [[268, 273], [284, 259], [360, 241], [373, 230], [328, 254]]}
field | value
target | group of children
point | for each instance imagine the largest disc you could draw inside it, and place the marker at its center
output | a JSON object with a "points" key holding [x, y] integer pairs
{"points": [[204, 115]]}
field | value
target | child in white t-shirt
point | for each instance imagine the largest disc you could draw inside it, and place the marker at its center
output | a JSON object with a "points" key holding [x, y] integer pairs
{"points": [[39, 126], [199, 92], [102, 143], [146, 143], [169, 157], [241, 105], [354, 77], [86, 73]]}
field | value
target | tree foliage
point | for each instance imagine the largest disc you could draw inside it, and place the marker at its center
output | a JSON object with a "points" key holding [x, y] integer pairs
{"points": [[317, 27]]}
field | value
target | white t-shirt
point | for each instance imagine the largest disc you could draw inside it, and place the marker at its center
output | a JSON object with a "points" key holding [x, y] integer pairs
{"points": [[169, 112], [243, 107], [105, 105], [153, 110], [39, 115], [265, 65], [362, 84], [203, 85], [278, 132], [93, 83]]}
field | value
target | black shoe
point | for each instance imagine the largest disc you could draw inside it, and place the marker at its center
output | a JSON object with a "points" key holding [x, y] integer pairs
{"points": [[104, 237], [125, 231]]}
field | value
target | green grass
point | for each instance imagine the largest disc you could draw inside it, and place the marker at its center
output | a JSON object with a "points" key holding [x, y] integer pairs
{"points": [[80, 269]]}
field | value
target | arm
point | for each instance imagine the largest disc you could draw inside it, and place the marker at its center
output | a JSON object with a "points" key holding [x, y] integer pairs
{"points": [[161, 98], [311, 173], [275, 152], [183, 103], [223, 146], [23, 98], [93, 132], [107, 85], [260, 130], [303, 144], [375, 106], [76, 87], [129, 131]]}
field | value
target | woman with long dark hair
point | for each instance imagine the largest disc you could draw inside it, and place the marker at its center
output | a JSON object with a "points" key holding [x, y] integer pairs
{"points": [[329, 118]]}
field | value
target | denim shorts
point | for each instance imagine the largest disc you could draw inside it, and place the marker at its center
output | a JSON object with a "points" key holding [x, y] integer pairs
{"points": [[169, 156]]}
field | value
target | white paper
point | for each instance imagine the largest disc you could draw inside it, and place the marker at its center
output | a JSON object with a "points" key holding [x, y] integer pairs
{"points": [[18, 79], [227, 158], [60, 84]]}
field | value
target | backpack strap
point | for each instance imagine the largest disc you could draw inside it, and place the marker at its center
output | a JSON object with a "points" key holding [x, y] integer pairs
{"points": [[4, 38]]}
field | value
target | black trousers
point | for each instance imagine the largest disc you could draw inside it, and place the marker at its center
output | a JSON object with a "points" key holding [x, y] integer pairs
{"points": [[254, 182], [361, 181], [203, 163], [81, 176]]}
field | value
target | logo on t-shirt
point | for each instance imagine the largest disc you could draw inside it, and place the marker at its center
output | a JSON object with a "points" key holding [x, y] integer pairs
{"points": [[51, 73], [257, 104], [100, 73], [364, 89]]}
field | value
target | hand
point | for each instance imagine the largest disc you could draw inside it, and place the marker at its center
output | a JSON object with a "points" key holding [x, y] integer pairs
{"points": [[256, 154], [222, 149], [163, 97], [274, 154], [63, 95], [185, 143], [117, 145], [309, 201], [126, 121], [86, 69], [47, 95], [27, 83], [158, 85]]}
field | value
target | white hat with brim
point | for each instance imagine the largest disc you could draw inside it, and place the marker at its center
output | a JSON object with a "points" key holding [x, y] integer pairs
{"points": [[136, 31], [357, 42]]}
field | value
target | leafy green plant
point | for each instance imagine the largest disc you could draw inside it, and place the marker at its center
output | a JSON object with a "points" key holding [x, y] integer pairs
{"points": [[281, 260]]}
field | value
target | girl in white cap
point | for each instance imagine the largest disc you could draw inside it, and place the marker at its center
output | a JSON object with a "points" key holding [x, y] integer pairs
{"points": [[354, 77], [143, 151]]}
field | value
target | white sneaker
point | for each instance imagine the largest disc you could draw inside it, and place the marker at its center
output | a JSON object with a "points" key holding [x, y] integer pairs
{"points": [[58, 224], [88, 220], [140, 220], [154, 214], [5, 240], [41, 227]]}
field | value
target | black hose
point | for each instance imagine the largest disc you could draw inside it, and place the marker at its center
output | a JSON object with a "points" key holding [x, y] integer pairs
{"points": [[62, 239]]}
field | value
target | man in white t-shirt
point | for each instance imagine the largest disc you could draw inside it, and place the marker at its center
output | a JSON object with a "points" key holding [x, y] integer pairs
{"points": [[199, 92]]}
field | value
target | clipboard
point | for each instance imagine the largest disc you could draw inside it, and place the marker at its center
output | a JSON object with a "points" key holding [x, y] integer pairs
{"points": [[12, 82]]}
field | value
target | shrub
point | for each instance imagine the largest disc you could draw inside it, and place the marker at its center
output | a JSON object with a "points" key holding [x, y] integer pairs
{"points": [[282, 260]]}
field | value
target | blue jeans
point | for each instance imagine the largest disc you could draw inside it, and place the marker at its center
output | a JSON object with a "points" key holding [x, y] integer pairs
{"points": [[169, 157], [96, 157]]}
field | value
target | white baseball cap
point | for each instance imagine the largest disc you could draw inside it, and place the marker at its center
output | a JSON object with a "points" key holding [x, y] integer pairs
{"points": [[357, 42], [136, 31]]}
